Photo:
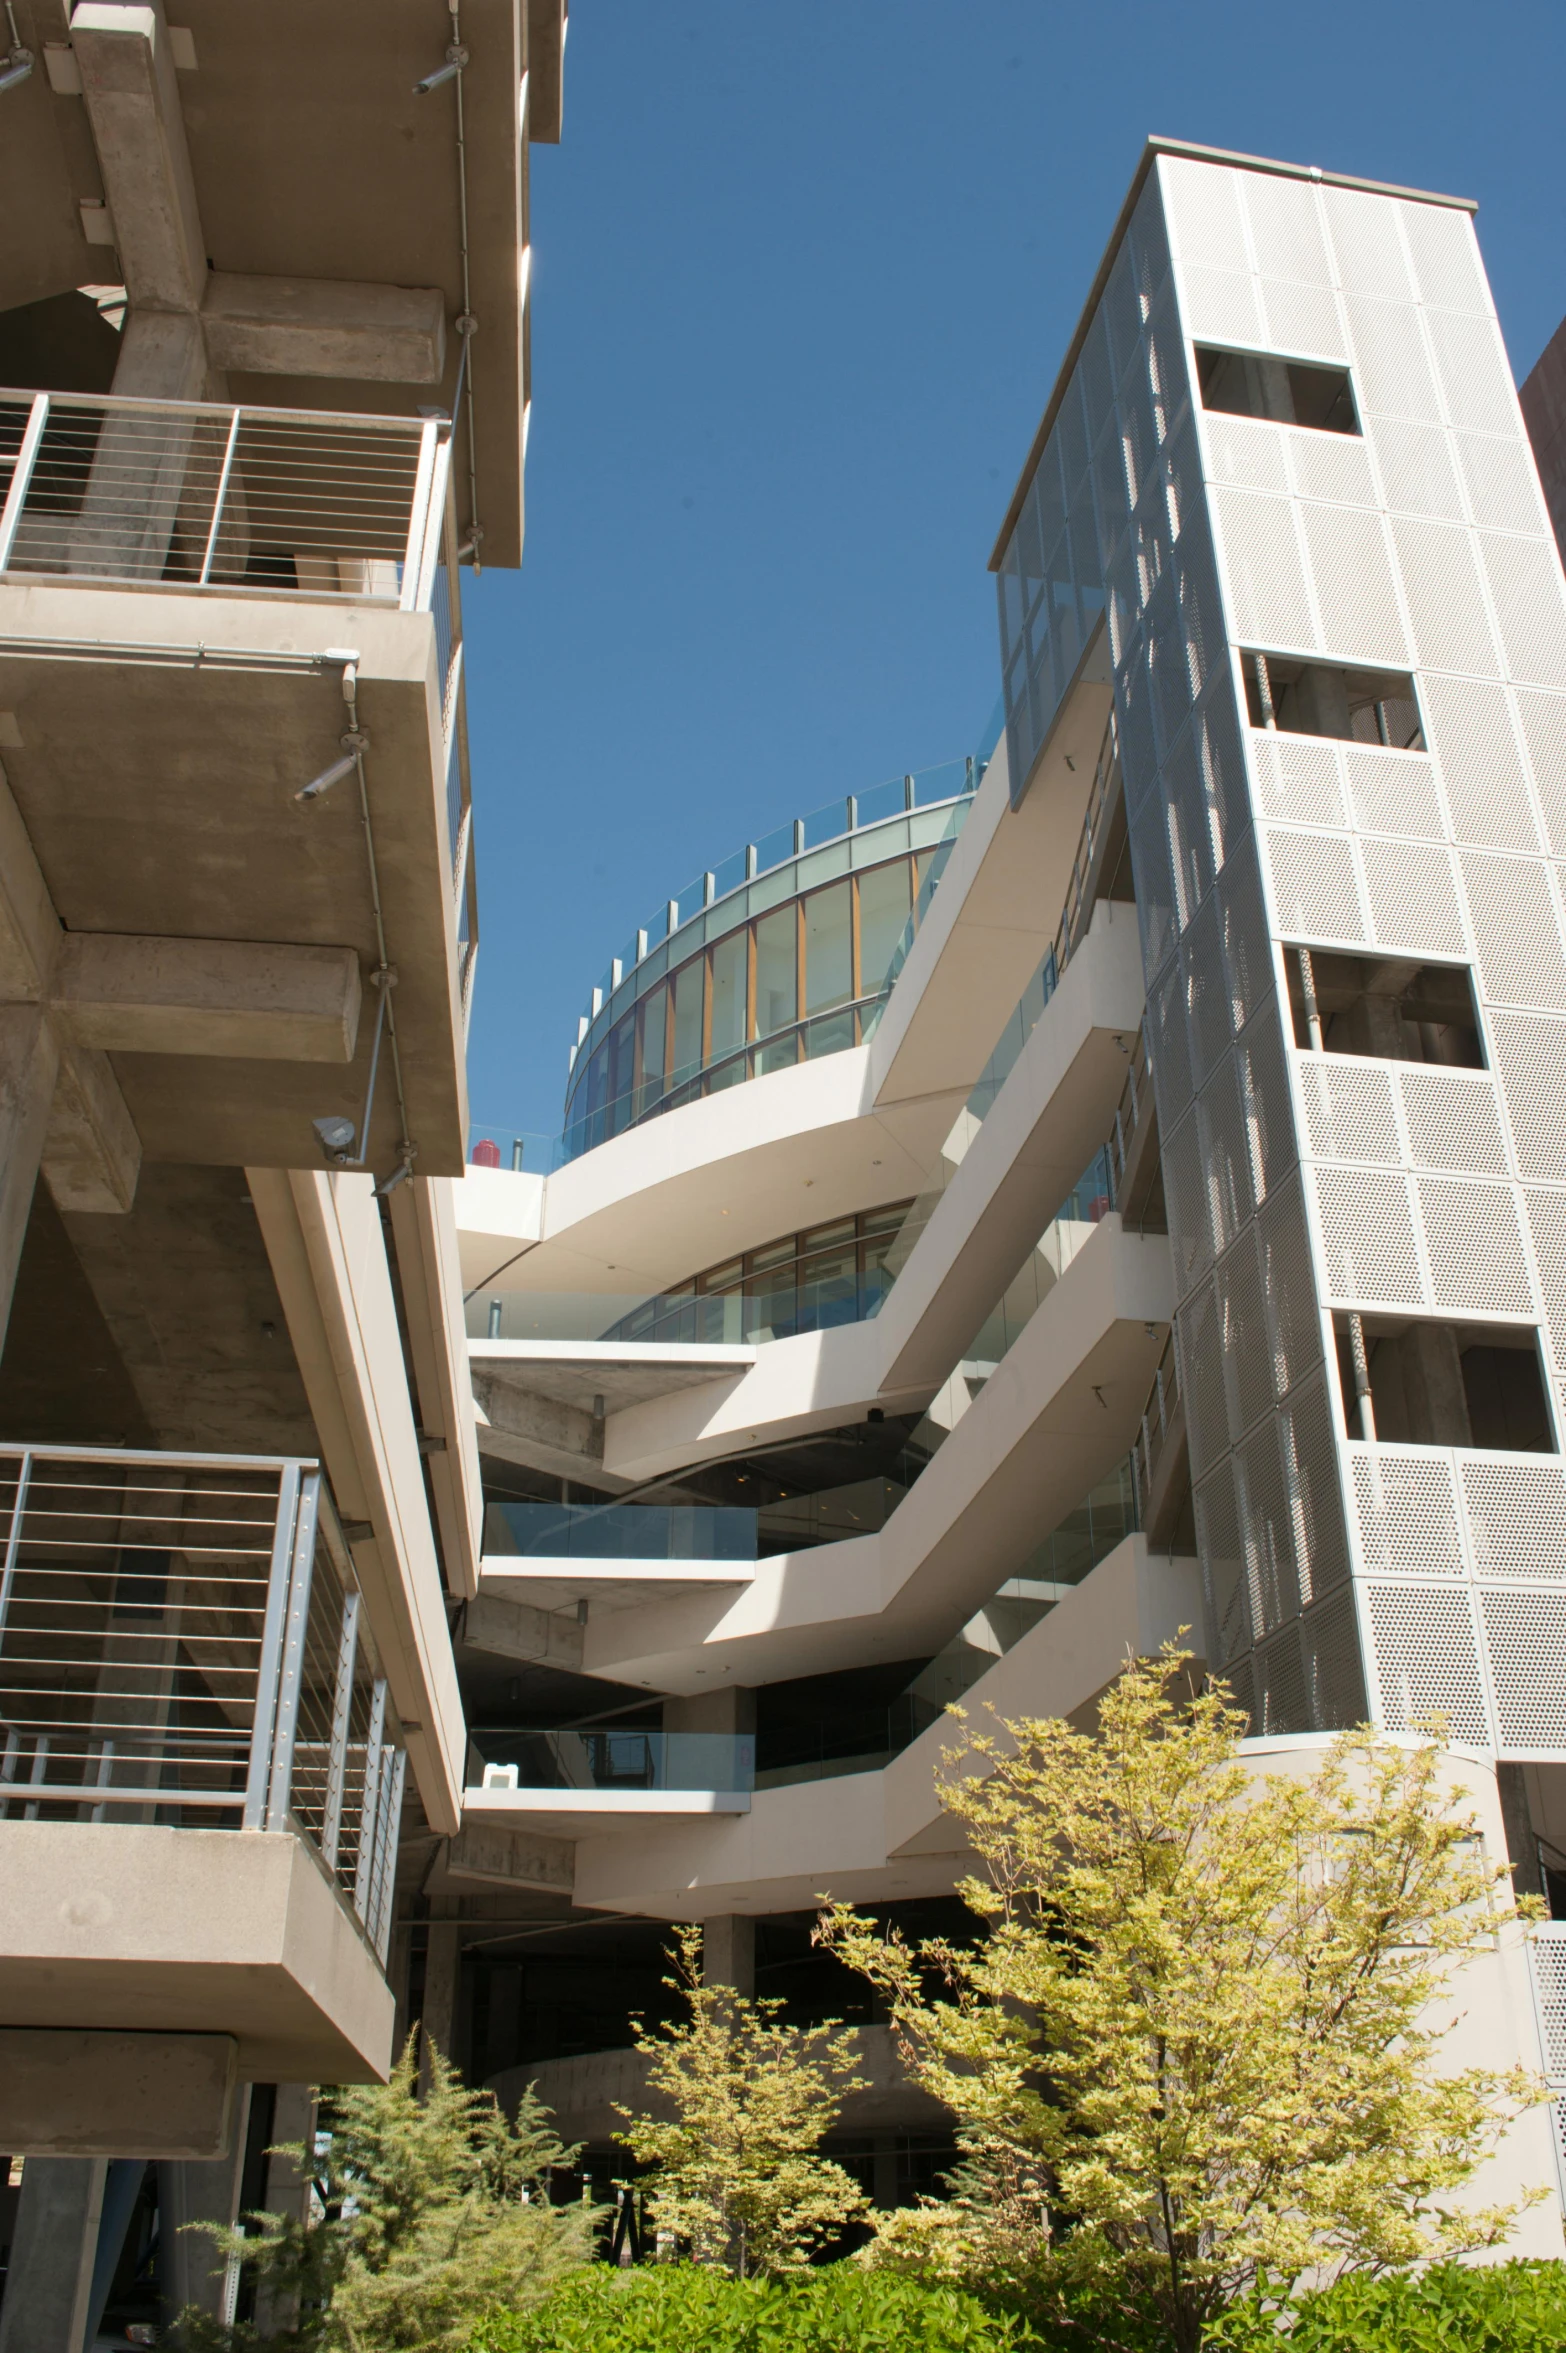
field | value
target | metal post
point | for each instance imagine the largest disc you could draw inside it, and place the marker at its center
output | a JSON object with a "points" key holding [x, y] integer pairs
{"points": [[370, 1808], [271, 1648], [496, 1310], [281, 1780], [429, 554], [1367, 1416], [14, 1538], [1313, 1028], [418, 520], [1264, 693], [342, 1708], [516, 1152], [391, 1817], [217, 503], [21, 476]]}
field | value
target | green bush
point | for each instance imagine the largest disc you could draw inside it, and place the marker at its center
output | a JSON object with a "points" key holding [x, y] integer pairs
{"points": [[1452, 2308], [684, 2308]]}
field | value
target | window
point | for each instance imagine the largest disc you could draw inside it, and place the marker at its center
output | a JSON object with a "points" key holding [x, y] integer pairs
{"points": [[655, 1018], [1322, 698], [687, 992], [1288, 391], [730, 973], [1391, 1007], [1441, 1384], [883, 918], [829, 960], [777, 996]]}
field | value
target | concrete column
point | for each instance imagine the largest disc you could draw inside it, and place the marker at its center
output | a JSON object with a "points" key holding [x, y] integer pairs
{"points": [[48, 2290], [441, 1961], [1433, 1384], [190, 2193], [29, 1065], [728, 1952], [287, 2192], [1522, 1845]]}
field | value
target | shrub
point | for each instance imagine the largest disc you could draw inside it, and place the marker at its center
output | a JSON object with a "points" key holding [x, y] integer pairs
{"points": [[1452, 2308], [686, 2308]]}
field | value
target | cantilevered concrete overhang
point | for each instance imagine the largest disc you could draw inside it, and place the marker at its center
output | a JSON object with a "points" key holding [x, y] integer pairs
{"points": [[305, 157], [229, 1932], [882, 1835], [1059, 1411], [997, 907], [155, 745], [586, 1813]]}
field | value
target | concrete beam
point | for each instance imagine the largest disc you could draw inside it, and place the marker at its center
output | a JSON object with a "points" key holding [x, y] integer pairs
{"points": [[29, 927], [216, 997], [98, 2094], [514, 1630], [29, 1060], [424, 1231], [126, 62], [490, 1855], [91, 1151], [324, 327], [537, 1432]]}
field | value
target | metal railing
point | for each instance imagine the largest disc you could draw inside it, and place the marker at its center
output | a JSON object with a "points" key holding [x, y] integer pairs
{"points": [[221, 499], [1136, 1101], [182, 1642], [1160, 1419]]}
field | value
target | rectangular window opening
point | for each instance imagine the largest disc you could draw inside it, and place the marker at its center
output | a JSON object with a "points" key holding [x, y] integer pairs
{"points": [[1325, 698], [1444, 1384], [1284, 391], [1392, 1008]]}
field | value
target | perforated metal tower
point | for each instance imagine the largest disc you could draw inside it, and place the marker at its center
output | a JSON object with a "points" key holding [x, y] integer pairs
{"points": [[1287, 462]]}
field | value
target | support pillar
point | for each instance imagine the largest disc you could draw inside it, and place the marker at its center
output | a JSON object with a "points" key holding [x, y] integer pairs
{"points": [[728, 1952], [29, 1065], [191, 2192], [441, 1961], [48, 2289], [287, 2193]]}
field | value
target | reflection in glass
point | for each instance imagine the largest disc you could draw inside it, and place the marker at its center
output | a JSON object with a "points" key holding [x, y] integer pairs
{"points": [[883, 913], [829, 958], [776, 1000], [730, 960], [687, 986], [654, 1024]]}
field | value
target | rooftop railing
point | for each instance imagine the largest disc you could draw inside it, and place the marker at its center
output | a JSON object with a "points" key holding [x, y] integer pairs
{"points": [[182, 1643]]}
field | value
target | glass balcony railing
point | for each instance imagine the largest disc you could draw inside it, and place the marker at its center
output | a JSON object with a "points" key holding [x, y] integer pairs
{"points": [[730, 1319], [619, 1531], [610, 1759]]}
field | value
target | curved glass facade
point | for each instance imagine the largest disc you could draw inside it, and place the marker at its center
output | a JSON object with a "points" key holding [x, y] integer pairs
{"points": [[807, 1282], [785, 952]]}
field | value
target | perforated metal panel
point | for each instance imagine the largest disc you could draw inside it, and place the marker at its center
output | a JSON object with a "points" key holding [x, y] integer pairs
{"points": [[1282, 1701], [1225, 1152], [1201, 1380], [1475, 1248], [1287, 237], [1546, 1214], [1446, 258], [1185, 1196], [1543, 719], [1221, 306], [1224, 1577], [1394, 793], [1427, 1660], [1202, 211], [1351, 575], [1530, 606], [1471, 369], [1503, 491], [1350, 1109], [1548, 1947], [1406, 1512], [1310, 1465], [1445, 597], [1298, 779], [1480, 762], [1366, 244], [1264, 568], [1267, 1529], [1413, 897], [1289, 1288], [1246, 1354], [1417, 469], [1315, 890], [1516, 1517], [1392, 374], [1335, 1678], [1516, 929], [1370, 1256], [1453, 1120], [1332, 466], [1206, 992], [1530, 1063], [1525, 1639]]}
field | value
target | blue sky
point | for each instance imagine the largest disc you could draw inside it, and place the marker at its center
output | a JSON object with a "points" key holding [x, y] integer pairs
{"points": [[801, 282]]}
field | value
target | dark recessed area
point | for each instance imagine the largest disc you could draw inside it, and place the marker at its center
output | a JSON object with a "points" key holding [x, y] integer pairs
{"points": [[1445, 1384], [1325, 698], [1284, 391], [1390, 1007]]}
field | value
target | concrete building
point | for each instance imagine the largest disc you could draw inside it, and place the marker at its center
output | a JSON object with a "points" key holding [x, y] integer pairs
{"points": [[1128, 1195], [264, 350]]}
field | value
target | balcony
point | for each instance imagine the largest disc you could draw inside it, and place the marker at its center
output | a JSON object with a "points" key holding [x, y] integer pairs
{"points": [[201, 1772], [573, 1783], [208, 604]]}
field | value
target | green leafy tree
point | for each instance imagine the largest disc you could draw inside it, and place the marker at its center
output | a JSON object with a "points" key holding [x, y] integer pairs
{"points": [[425, 2215], [1198, 2045], [734, 2167]]}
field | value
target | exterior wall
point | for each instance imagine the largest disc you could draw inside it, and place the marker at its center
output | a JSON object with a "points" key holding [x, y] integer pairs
{"points": [[1337, 1584]]}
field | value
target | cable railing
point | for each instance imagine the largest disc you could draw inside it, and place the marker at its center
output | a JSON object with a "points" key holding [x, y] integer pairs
{"points": [[182, 1642], [1162, 1419]]}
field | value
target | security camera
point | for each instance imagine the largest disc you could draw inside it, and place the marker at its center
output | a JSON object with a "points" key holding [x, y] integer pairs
{"points": [[456, 59], [336, 1136]]}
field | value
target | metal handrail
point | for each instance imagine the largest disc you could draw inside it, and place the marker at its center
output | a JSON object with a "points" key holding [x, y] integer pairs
{"points": [[181, 1639]]}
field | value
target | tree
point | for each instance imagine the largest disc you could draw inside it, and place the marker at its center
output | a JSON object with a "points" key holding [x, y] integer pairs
{"points": [[426, 2215], [1198, 2045], [735, 2170]]}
